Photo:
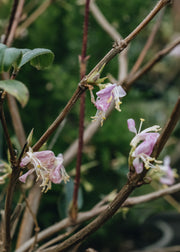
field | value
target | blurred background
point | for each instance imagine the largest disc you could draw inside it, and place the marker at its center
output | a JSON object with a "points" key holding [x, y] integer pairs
{"points": [[152, 97]]}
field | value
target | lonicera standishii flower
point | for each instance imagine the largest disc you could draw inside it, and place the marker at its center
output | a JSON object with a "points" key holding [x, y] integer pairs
{"points": [[142, 146], [168, 173], [47, 167], [111, 93]]}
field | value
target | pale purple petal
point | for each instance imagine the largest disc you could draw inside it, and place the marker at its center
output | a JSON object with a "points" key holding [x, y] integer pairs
{"points": [[131, 125], [168, 176], [138, 165], [103, 100], [25, 175], [147, 146], [46, 158], [167, 180], [55, 175], [118, 92], [25, 161], [106, 91]]}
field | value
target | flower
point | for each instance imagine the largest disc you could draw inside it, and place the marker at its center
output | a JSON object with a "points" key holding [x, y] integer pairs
{"points": [[111, 92], [47, 167], [142, 146], [167, 173]]}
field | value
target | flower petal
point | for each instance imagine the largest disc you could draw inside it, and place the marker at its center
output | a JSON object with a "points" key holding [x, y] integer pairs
{"points": [[24, 176], [131, 125], [138, 165]]}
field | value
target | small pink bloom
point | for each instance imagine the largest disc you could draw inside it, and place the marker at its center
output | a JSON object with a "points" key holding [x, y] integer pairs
{"points": [[47, 167], [105, 97], [142, 145], [168, 174]]}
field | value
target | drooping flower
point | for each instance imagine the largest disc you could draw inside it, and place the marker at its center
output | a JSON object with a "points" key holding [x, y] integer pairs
{"points": [[168, 174], [48, 168], [142, 146], [111, 93]]}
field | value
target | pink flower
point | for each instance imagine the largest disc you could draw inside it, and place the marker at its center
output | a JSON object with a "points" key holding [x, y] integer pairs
{"points": [[47, 167], [168, 174], [105, 97], [142, 145]]}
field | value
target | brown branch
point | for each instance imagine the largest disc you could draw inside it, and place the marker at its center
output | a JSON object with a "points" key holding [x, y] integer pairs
{"points": [[169, 127], [57, 239], [60, 118], [5, 129], [127, 83], [85, 216], [9, 197], [35, 222], [27, 221], [83, 61], [31, 19], [131, 79], [14, 20], [134, 180], [111, 31], [110, 55], [148, 43]]}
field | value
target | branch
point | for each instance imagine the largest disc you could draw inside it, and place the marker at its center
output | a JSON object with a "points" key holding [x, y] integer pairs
{"points": [[134, 181], [14, 20], [131, 79], [82, 85], [111, 31], [83, 61], [148, 43], [85, 216], [169, 127], [31, 19], [70, 153]]}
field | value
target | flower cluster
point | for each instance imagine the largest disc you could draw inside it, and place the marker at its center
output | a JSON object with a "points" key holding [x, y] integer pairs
{"points": [[111, 93], [142, 147], [48, 168]]}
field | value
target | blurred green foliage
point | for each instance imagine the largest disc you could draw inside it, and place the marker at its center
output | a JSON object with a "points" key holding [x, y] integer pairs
{"points": [[152, 97]]}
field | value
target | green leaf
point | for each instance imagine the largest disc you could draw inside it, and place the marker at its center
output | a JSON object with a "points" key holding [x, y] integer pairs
{"points": [[9, 57], [39, 58], [12, 56], [16, 89]]}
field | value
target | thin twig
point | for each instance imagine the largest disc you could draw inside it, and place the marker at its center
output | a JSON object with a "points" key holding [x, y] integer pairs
{"points": [[35, 222], [9, 197], [5, 128], [131, 79], [83, 62], [148, 43], [169, 127], [57, 239], [111, 31], [27, 220], [14, 20], [31, 19], [11, 20]]}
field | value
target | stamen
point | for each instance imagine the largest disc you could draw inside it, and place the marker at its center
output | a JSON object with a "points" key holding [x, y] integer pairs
{"points": [[140, 126]]}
